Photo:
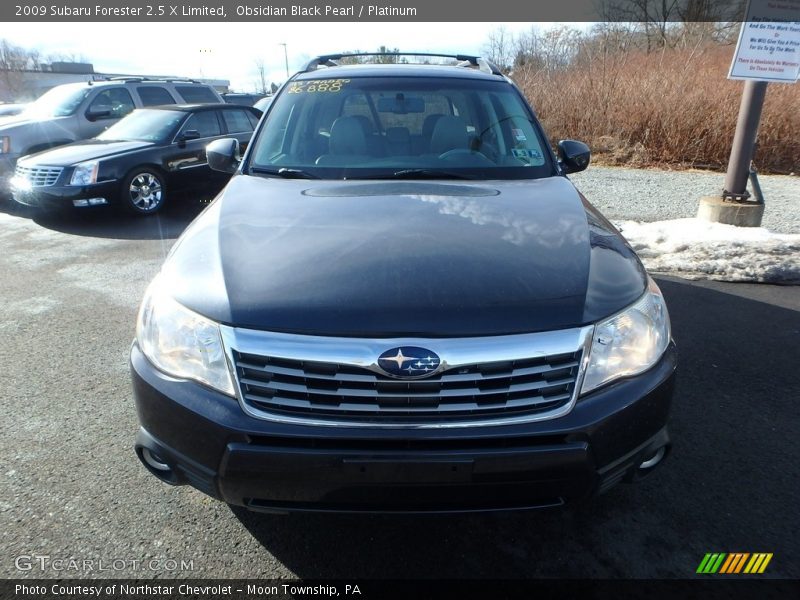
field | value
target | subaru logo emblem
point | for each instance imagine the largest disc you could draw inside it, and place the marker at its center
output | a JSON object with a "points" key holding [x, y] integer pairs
{"points": [[409, 362]]}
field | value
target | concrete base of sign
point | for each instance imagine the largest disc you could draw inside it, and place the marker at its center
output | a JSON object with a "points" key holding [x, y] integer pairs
{"points": [[741, 214]]}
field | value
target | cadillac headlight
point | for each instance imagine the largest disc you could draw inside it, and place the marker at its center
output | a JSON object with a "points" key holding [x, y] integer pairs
{"points": [[85, 173], [630, 342], [181, 342]]}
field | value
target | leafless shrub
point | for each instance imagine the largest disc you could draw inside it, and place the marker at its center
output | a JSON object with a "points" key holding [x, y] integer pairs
{"points": [[674, 107]]}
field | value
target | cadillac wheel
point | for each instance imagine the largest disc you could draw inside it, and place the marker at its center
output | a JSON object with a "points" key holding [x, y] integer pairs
{"points": [[143, 191]]}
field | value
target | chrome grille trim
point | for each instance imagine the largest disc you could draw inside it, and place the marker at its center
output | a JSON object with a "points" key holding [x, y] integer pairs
{"points": [[331, 381], [39, 176]]}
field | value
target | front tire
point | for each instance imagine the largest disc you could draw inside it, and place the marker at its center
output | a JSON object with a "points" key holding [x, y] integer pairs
{"points": [[143, 191]]}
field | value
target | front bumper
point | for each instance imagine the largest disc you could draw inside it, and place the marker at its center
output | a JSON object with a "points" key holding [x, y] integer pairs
{"points": [[62, 197], [211, 444]]}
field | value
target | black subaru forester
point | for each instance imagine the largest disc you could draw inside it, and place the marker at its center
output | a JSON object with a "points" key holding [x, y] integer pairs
{"points": [[400, 303]]}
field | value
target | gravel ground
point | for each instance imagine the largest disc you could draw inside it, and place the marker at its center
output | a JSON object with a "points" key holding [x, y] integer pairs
{"points": [[653, 195]]}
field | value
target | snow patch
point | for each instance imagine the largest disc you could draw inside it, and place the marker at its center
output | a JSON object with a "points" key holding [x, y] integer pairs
{"points": [[698, 249]]}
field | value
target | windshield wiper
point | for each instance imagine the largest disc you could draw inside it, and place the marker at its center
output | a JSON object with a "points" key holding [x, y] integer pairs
{"points": [[428, 174], [418, 174], [285, 173]]}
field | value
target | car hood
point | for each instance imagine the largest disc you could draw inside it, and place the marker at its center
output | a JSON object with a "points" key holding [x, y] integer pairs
{"points": [[9, 120], [394, 259], [76, 152], [25, 133], [12, 124]]}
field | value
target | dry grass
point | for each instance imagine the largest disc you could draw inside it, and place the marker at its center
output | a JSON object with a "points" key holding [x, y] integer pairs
{"points": [[672, 108]]}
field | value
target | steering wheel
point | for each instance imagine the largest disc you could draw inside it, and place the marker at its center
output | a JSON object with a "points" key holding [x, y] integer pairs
{"points": [[474, 156], [488, 149]]}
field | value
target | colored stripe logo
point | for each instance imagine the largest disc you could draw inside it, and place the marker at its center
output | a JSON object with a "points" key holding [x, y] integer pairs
{"points": [[734, 563]]}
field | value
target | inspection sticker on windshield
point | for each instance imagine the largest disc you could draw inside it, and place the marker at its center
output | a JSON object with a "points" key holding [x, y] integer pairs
{"points": [[525, 153], [317, 85], [519, 134]]}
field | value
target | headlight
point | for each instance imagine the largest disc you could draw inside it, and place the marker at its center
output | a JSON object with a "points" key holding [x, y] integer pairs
{"points": [[181, 342], [5, 144], [85, 173], [630, 342]]}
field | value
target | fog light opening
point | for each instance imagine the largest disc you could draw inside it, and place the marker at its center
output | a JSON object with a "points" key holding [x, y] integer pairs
{"points": [[84, 202], [159, 466], [155, 461], [649, 463]]}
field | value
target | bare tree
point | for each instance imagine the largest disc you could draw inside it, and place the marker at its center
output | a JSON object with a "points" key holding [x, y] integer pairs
{"points": [[70, 57], [545, 51], [527, 51], [609, 38], [711, 11], [499, 48], [352, 60], [392, 57], [672, 23], [14, 61], [558, 47], [262, 87]]}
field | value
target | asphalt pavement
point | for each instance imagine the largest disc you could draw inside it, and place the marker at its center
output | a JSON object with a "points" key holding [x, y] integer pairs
{"points": [[72, 487]]}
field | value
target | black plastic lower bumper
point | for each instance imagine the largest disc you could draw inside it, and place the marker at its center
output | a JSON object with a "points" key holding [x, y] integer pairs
{"points": [[63, 197], [211, 444]]}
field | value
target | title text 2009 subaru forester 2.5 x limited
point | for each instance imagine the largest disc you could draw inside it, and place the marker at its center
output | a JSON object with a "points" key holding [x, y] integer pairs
{"points": [[400, 303]]}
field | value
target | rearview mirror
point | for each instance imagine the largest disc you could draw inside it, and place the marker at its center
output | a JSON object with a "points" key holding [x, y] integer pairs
{"points": [[575, 155], [223, 155], [400, 104]]}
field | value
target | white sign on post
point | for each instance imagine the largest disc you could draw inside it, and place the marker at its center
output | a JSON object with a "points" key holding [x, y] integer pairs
{"points": [[769, 42]]}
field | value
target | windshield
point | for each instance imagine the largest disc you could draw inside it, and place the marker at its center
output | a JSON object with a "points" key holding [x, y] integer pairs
{"points": [[61, 101], [373, 127], [145, 125]]}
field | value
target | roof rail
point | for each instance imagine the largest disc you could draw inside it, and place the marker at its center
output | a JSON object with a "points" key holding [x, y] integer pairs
{"points": [[179, 80], [146, 79], [464, 60]]}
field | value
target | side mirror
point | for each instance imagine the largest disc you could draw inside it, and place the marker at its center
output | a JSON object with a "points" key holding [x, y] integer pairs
{"points": [[574, 155], [98, 112], [189, 134], [223, 155]]}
